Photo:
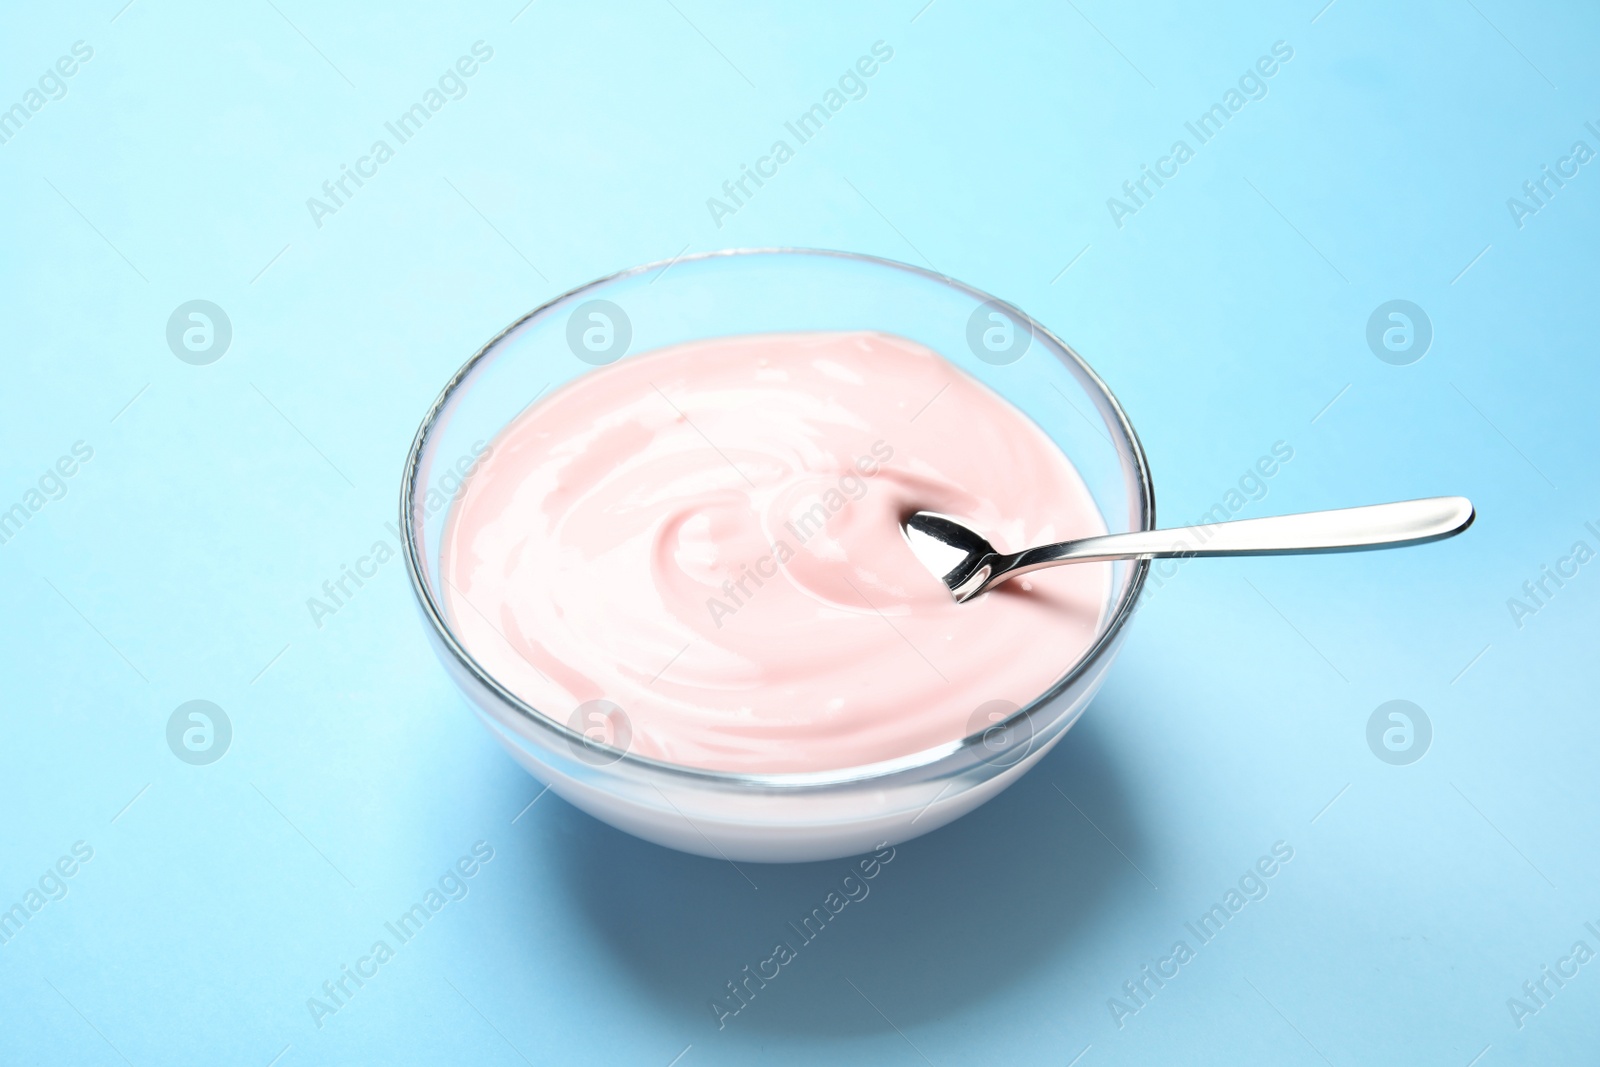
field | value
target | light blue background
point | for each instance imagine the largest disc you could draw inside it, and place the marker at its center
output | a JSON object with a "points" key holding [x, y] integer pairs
{"points": [[1226, 315]]}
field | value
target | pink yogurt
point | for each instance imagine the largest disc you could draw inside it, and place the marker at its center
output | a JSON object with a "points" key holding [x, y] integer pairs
{"points": [[708, 536]]}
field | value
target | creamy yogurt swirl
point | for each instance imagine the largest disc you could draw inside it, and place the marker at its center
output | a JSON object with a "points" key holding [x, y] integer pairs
{"points": [[708, 536]]}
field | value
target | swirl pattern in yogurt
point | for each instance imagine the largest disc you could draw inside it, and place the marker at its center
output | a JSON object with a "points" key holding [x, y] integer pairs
{"points": [[708, 536]]}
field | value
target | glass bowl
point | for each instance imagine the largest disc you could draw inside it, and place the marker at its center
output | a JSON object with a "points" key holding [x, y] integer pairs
{"points": [[793, 816]]}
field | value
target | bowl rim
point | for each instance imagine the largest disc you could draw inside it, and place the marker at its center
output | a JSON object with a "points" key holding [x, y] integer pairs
{"points": [[1129, 447]]}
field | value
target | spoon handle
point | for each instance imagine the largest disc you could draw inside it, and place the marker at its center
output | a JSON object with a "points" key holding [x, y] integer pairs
{"points": [[1408, 522]]}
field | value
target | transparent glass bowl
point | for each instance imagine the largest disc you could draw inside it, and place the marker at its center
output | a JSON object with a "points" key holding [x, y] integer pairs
{"points": [[774, 817]]}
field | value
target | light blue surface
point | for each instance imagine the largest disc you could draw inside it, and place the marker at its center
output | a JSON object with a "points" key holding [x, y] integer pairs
{"points": [[1228, 314]]}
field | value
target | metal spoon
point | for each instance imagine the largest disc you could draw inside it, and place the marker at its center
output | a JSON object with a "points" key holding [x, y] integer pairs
{"points": [[968, 564]]}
